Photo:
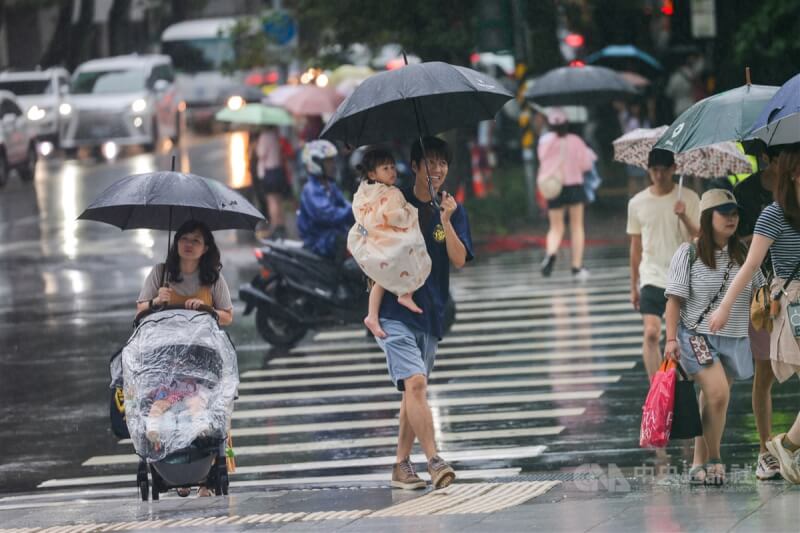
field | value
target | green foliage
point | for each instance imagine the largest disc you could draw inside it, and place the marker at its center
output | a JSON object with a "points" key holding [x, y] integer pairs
{"points": [[254, 49], [442, 30], [768, 43], [503, 211]]}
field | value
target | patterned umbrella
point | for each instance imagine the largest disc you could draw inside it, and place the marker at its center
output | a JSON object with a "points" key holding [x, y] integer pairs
{"points": [[707, 162]]}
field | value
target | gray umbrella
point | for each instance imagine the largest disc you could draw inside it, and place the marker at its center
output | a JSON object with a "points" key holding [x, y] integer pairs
{"points": [[579, 86], [165, 200]]}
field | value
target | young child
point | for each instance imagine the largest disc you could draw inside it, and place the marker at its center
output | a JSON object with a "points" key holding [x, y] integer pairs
{"points": [[386, 240]]}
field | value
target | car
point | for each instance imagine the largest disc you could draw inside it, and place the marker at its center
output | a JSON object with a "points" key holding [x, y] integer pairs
{"points": [[201, 49], [39, 94], [17, 140], [125, 100]]}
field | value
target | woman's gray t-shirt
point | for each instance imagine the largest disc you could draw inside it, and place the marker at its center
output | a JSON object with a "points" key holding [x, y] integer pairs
{"points": [[188, 286]]}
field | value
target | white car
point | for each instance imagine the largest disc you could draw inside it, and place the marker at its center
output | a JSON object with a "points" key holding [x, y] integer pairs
{"points": [[39, 94], [17, 140], [125, 100]]}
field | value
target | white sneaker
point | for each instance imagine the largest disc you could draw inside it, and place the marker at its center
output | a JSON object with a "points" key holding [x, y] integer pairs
{"points": [[767, 467], [581, 275], [789, 461]]}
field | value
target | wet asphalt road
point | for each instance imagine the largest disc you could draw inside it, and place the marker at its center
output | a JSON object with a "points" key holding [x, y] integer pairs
{"points": [[537, 376]]}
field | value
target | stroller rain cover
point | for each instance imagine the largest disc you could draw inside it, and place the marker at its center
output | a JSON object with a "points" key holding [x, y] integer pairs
{"points": [[180, 379]]}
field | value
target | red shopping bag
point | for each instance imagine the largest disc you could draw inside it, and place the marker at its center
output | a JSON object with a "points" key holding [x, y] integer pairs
{"points": [[658, 408]]}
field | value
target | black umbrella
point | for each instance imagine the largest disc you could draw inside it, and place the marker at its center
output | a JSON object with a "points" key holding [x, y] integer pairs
{"points": [[579, 86], [165, 200], [415, 101]]}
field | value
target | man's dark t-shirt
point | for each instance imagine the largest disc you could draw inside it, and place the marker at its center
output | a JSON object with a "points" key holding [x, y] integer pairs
{"points": [[432, 296]]}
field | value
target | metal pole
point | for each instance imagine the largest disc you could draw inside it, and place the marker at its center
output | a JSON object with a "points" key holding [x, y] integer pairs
{"points": [[431, 191]]}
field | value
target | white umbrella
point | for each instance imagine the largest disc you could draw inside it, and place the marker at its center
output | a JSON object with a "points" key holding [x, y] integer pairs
{"points": [[711, 161]]}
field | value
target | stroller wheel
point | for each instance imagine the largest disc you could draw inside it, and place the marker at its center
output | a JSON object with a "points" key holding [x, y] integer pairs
{"points": [[144, 489]]}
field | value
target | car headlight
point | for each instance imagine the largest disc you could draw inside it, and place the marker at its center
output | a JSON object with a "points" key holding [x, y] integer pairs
{"points": [[36, 113], [139, 105], [64, 109], [235, 103]]}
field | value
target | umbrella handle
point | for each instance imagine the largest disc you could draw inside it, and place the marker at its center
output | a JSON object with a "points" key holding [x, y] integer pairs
{"points": [[680, 187]]}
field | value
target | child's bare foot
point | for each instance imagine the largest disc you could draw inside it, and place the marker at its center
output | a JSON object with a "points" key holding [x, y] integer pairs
{"points": [[407, 301], [374, 325]]}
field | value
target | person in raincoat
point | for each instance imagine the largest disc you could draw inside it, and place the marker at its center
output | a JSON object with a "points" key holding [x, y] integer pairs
{"points": [[386, 241], [325, 216]]}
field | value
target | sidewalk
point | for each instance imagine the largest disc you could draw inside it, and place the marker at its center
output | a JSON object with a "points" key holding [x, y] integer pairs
{"points": [[601, 503]]}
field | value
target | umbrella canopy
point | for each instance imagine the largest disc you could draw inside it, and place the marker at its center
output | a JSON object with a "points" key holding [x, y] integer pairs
{"points": [[579, 86], [725, 116], [707, 162], [256, 114], [278, 95], [312, 100], [779, 121], [349, 72], [165, 200], [625, 52], [413, 101]]}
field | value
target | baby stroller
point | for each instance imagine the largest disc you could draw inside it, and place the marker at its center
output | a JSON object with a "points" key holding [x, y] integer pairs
{"points": [[178, 376]]}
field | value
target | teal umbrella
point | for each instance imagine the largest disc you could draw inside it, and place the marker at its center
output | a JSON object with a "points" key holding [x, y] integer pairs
{"points": [[257, 115], [723, 117]]}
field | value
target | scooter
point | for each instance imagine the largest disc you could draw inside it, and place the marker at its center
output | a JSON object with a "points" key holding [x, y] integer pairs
{"points": [[297, 290]]}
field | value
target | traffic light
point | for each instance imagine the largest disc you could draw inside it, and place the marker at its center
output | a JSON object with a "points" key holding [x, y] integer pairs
{"points": [[667, 7], [495, 29]]}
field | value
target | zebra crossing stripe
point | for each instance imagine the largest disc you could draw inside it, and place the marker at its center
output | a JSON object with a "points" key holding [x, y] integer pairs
{"points": [[312, 410], [550, 323], [485, 370], [455, 456], [383, 478], [604, 295], [435, 389], [443, 359], [321, 427], [534, 312]]}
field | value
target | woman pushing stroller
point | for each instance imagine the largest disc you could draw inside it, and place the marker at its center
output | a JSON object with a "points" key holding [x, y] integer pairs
{"points": [[180, 403]]}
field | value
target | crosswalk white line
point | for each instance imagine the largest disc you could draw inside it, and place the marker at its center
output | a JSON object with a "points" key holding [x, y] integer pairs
{"points": [[537, 303], [486, 370], [571, 320], [477, 353], [366, 442], [444, 419], [517, 292], [312, 410], [446, 348], [381, 478], [454, 456], [434, 389], [545, 311]]}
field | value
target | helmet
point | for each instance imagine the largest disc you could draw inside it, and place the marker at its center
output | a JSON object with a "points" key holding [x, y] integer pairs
{"points": [[314, 153]]}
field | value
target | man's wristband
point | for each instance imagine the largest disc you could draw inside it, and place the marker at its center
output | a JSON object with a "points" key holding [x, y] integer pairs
{"points": [[672, 340]]}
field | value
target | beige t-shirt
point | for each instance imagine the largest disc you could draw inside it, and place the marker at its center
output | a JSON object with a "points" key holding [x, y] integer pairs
{"points": [[653, 217], [188, 286]]}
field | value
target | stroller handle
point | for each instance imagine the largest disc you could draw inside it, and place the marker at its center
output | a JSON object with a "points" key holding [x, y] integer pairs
{"points": [[147, 312]]}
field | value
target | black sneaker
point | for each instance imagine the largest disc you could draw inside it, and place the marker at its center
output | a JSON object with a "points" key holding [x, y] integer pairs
{"points": [[547, 265]]}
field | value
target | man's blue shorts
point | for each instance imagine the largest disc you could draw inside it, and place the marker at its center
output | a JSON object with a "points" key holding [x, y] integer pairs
{"points": [[408, 352]]}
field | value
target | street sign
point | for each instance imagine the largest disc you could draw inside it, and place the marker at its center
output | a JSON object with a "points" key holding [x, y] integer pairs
{"points": [[280, 27], [704, 19]]}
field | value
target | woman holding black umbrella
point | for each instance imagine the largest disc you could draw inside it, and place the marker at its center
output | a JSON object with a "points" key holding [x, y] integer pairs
{"points": [[193, 276]]}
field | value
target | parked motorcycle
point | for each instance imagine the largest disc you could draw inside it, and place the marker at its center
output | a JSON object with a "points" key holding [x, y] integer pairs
{"points": [[297, 290]]}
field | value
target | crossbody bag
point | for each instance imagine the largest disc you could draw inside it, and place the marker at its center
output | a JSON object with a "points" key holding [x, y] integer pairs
{"points": [[698, 341]]}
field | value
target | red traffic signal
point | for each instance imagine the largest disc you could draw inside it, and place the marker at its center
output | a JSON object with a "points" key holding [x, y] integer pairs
{"points": [[575, 40]]}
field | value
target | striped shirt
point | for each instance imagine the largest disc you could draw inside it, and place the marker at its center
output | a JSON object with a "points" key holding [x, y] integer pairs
{"points": [[785, 249], [697, 285]]}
